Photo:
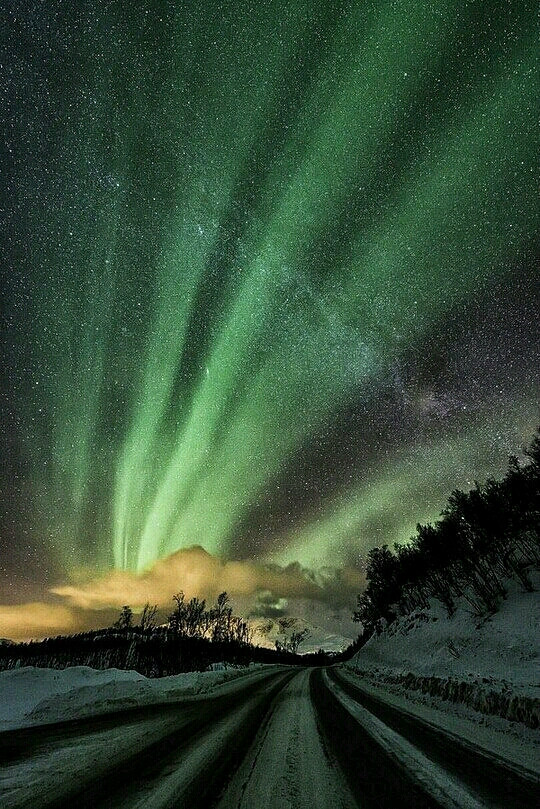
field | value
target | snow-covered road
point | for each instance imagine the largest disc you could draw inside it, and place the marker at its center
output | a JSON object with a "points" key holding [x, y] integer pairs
{"points": [[289, 765], [153, 756], [280, 739]]}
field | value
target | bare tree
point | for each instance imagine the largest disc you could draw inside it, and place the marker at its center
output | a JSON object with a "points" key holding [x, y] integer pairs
{"points": [[125, 619], [296, 639], [290, 643], [285, 623], [195, 617], [241, 630], [148, 617], [221, 615], [177, 619]]}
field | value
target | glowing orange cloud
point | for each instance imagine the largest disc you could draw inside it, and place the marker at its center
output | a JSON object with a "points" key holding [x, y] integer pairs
{"points": [[197, 573], [36, 619], [94, 602]]}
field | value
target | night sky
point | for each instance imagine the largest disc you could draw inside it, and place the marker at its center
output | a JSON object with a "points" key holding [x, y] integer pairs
{"points": [[270, 292]]}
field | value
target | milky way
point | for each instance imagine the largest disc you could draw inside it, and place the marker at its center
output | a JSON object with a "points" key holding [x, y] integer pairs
{"points": [[269, 276]]}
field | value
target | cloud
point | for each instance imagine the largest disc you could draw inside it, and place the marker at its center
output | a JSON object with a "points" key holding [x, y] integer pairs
{"points": [[268, 606], [35, 619], [198, 573], [257, 590], [328, 630]]}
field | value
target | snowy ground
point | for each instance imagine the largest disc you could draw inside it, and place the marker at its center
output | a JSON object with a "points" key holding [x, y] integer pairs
{"points": [[33, 696], [284, 759], [288, 765], [465, 674]]}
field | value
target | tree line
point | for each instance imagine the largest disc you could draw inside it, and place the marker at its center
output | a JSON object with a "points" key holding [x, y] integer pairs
{"points": [[484, 537], [193, 638], [290, 640], [192, 619]]}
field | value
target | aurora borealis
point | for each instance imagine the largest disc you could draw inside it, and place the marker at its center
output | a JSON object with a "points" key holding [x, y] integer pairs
{"points": [[270, 288]]}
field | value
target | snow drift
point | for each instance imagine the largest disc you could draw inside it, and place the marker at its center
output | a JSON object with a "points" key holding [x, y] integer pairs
{"points": [[489, 664]]}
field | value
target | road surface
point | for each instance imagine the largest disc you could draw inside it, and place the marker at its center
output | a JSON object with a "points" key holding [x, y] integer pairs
{"points": [[289, 739]]}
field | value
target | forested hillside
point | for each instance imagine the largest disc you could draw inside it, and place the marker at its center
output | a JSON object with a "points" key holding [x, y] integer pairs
{"points": [[484, 537]]}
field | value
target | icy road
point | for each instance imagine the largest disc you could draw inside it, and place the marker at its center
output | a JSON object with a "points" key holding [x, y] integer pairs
{"points": [[286, 739]]}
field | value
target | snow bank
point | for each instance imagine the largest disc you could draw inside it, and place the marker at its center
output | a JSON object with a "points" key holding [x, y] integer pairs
{"points": [[504, 703], [31, 695], [490, 664]]}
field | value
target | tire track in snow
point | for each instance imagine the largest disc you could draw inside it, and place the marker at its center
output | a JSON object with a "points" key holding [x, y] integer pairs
{"points": [[287, 766]]}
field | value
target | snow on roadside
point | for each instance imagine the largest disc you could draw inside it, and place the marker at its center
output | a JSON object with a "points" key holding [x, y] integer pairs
{"points": [[498, 737], [36, 696], [476, 677], [503, 647], [447, 791]]}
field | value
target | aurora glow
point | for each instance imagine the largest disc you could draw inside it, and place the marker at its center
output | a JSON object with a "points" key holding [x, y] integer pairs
{"points": [[270, 286]]}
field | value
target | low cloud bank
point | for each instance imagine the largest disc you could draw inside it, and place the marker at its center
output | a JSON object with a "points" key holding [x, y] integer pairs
{"points": [[198, 573], [35, 619], [258, 588]]}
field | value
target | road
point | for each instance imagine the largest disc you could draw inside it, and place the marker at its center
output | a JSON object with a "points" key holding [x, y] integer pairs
{"points": [[288, 739]]}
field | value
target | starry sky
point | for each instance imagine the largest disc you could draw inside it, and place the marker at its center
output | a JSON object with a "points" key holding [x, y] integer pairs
{"points": [[270, 292]]}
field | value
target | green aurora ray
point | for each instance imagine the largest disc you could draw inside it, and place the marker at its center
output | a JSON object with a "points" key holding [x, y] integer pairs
{"points": [[229, 223]]}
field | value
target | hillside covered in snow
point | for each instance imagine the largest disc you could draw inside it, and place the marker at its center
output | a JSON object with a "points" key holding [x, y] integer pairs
{"points": [[477, 676]]}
